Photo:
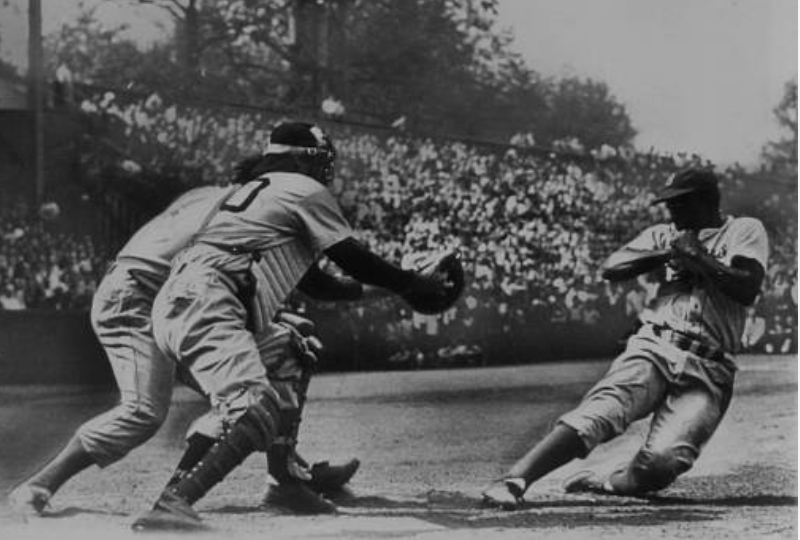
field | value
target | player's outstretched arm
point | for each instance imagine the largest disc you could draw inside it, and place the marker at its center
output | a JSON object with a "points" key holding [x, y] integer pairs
{"points": [[365, 266], [321, 285], [433, 286], [629, 262]]}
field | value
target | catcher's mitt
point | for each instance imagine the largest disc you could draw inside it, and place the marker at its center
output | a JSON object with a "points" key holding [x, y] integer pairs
{"points": [[440, 281]]}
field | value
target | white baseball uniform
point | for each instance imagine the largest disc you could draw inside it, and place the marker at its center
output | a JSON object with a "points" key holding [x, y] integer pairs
{"points": [[678, 366], [121, 319], [263, 240]]}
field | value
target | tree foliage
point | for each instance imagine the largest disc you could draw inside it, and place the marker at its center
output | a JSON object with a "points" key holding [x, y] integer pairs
{"points": [[781, 156], [99, 55], [441, 65], [8, 71]]}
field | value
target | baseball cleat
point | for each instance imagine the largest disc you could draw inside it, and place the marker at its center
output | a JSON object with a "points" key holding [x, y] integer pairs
{"points": [[170, 513], [327, 478], [586, 482], [507, 494], [298, 498], [29, 500]]}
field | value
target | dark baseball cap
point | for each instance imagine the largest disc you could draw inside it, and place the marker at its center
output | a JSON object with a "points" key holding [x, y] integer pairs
{"points": [[689, 181]]}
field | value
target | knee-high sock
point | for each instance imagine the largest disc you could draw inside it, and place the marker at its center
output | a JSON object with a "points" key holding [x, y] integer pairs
{"points": [[71, 460], [558, 448]]}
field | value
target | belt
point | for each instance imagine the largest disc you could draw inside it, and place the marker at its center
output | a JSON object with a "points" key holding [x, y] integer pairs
{"points": [[234, 250], [689, 344]]}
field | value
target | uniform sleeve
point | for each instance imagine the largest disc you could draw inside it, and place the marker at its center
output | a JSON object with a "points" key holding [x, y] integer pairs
{"points": [[750, 241], [651, 239], [323, 220]]}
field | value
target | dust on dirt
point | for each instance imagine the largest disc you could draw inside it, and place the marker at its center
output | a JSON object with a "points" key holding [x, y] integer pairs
{"points": [[428, 442]]}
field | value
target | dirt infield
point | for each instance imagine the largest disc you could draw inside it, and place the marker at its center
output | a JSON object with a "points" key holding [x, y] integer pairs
{"points": [[429, 441]]}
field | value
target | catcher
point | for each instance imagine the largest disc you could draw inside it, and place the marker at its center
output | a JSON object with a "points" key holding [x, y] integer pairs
{"points": [[224, 290], [121, 320]]}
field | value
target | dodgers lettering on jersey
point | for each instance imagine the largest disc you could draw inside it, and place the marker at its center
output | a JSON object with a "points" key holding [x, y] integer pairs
{"points": [[154, 245], [696, 308], [287, 219]]}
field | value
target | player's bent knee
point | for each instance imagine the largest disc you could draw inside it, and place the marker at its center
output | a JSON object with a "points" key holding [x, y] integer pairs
{"points": [[112, 435], [144, 421], [657, 469], [261, 420]]}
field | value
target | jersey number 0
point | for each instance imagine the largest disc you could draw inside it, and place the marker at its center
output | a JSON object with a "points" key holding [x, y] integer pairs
{"points": [[240, 200]]}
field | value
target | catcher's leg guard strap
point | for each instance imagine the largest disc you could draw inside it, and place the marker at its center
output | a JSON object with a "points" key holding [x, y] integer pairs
{"points": [[262, 421], [253, 431], [198, 446]]}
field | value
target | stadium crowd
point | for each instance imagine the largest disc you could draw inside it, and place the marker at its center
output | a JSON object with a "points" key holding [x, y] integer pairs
{"points": [[532, 226], [43, 266]]}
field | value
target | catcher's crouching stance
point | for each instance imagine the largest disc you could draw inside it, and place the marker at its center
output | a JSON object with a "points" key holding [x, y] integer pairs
{"points": [[264, 242], [268, 418], [121, 319], [289, 351]]}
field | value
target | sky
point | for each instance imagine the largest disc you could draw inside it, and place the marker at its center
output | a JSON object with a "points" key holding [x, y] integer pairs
{"points": [[695, 75], [700, 76]]}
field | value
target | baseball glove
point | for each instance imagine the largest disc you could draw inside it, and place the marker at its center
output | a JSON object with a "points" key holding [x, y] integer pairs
{"points": [[439, 283]]}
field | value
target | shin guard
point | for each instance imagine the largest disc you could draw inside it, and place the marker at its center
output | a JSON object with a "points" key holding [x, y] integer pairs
{"points": [[254, 431]]}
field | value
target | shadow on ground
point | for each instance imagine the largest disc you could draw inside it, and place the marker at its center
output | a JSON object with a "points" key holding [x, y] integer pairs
{"points": [[458, 510]]}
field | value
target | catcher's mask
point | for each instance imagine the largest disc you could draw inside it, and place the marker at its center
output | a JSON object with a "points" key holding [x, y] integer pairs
{"points": [[308, 143]]}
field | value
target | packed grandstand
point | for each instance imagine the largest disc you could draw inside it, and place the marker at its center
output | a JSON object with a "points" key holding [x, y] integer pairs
{"points": [[532, 225]]}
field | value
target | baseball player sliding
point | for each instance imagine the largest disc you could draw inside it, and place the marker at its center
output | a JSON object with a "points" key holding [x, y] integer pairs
{"points": [[224, 290], [120, 315], [679, 365]]}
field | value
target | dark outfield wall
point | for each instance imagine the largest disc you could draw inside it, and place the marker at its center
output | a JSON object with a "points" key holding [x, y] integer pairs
{"points": [[51, 347], [61, 139]]}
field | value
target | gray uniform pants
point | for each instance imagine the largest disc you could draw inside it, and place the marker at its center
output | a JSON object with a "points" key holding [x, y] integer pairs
{"points": [[145, 376], [686, 394], [121, 319], [200, 322]]}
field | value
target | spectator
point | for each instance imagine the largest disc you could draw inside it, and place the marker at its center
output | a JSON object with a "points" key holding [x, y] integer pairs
{"points": [[533, 225], [11, 299], [754, 329]]}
